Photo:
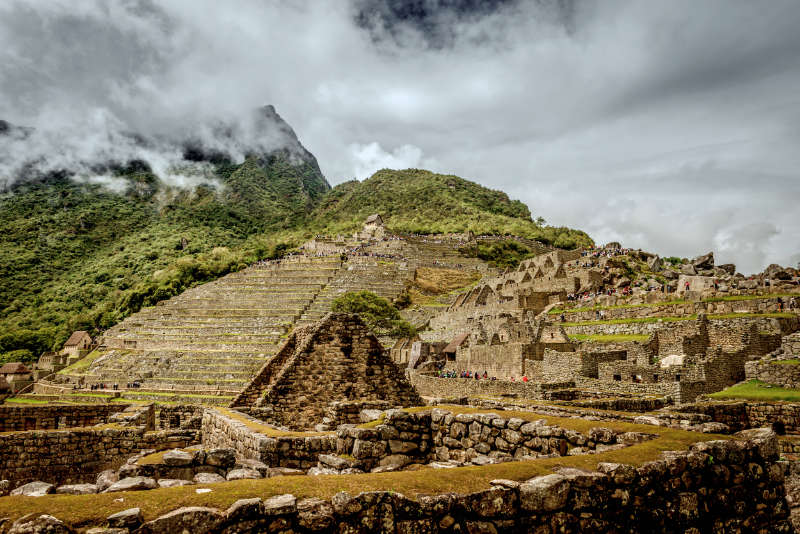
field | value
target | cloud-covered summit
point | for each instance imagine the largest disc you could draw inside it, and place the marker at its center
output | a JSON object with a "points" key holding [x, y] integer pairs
{"points": [[670, 126]]}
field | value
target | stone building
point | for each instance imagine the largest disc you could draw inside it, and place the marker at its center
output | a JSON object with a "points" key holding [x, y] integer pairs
{"points": [[373, 229], [77, 344], [337, 359], [16, 375]]}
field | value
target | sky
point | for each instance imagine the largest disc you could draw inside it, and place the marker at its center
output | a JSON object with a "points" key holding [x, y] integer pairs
{"points": [[668, 126]]}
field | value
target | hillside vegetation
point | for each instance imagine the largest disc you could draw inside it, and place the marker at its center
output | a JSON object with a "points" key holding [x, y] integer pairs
{"points": [[423, 202], [77, 256]]}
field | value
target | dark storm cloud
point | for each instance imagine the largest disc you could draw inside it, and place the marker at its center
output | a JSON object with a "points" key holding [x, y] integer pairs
{"points": [[671, 126]]}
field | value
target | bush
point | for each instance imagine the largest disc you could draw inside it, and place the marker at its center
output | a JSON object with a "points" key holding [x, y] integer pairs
{"points": [[378, 314]]}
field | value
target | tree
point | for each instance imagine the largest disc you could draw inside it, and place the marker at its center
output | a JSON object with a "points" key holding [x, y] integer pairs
{"points": [[378, 314]]}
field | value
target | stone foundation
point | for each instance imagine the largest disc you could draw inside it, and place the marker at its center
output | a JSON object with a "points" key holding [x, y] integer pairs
{"points": [[20, 418]]}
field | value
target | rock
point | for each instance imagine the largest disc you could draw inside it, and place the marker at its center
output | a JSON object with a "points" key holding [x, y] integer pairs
{"points": [[77, 489], [242, 474], [132, 484], [316, 471], [729, 268], [332, 461], [208, 478], [315, 514], [105, 479], [174, 482], [178, 458], [44, 524], [646, 420], [284, 471], [188, 519], [5, 486], [706, 261], [688, 270], [505, 483], [130, 518], [249, 463], [369, 415], [655, 264], [34, 489], [715, 428], [280, 505], [483, 460], [395, 460], [107, 530], [544, 494], [224, 458]]}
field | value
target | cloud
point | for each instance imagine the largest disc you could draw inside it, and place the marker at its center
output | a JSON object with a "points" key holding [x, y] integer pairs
{"points": [[670, 126]]}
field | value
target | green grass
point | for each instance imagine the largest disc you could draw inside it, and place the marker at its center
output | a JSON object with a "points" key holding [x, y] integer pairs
{"points": [[757, 390], [92, 509], [609, 338], [22, 400], [793, 361]]}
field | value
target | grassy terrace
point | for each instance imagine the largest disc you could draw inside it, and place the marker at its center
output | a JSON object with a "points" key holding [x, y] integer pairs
{"points": [[757, 390], [692, 317], [84, 510], [730, 298], [608, 338]]}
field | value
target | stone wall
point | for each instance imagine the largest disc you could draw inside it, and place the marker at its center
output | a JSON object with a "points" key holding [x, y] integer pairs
{"points": [[432, 386], [349, 412], [300, 452], [179, 416], [741, 415], [77, 455], [716, 486], [421, 437], [29, 417]]}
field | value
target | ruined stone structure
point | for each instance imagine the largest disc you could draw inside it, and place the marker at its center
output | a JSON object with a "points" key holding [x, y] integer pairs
{"points": [[338, 359], [16, 375]]}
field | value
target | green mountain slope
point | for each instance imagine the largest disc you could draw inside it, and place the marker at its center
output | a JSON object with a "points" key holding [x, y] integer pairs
{"points": [[419, 201], [77, 256]]}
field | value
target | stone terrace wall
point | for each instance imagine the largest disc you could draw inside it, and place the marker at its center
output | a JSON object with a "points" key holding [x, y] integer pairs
{"points": [[77, 455], [437, 434], [780, 374], [219, 430], [179, 416], [432, 386], [19, 418], [349, 412], [750, 414], [717, 486]]}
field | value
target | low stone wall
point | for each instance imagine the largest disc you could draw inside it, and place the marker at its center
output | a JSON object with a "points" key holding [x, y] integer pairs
{"points": [[431, 386], [422, 437], [221, 431], [349, 412], [774, 372], [77, 455], [29, 417], [750, 414], [180, 416], [716, 486]]}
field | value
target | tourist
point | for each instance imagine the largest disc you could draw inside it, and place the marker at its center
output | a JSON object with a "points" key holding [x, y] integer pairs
{"points": [[780, 304], [524, 378]]}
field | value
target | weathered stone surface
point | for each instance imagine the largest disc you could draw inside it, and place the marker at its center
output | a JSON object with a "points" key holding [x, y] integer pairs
{"points": [[130, 518], [244, 473], [189, 519], [280, 505], [545, 493], [315, 514], [132, 484], [42, 524], [250, 463], [105, 479], [220, 457], [5, 487], [77, 489], [208, 478], [178, 458], [284, 471], [34, 489], [174, 482]]}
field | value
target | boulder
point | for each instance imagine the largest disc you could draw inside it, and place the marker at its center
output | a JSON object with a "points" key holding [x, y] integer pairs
{"points": [[187, 519], [178, 458], [5, 486], [369, 415], [315, 514], [208, 478], [249, 463], [729, 268], [132, 484], [243, 473], [43, 524], [34, 489], [706, 261], [224, 458], [655, 264], [77, 489], [332, 461], [105, 479], [284, 471], [280, 505], [688, 270], [130, 518]]}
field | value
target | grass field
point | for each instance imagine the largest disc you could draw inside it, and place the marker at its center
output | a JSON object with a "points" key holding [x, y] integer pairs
{"points": [[608, 338], [757, 390], [692, 317]]}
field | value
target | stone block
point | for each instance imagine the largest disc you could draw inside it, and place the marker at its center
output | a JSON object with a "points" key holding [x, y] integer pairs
{"points": [[34, 489], [187, 519], [130, 519], [546, 493]]}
